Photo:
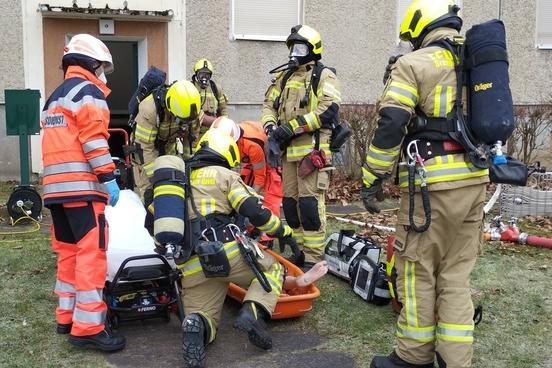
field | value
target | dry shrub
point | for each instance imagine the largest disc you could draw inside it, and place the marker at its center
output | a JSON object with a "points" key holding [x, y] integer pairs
{"points": [[533, 124]]}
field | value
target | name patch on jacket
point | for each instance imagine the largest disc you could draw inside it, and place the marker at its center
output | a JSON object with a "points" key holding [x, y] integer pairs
{"points": [[55, 121]]}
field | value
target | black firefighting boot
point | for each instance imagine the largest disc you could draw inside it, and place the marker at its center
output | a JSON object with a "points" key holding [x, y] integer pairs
{"points": [[105, 340], [194, 336], [393, 361], [63, 328], [251, 319]]}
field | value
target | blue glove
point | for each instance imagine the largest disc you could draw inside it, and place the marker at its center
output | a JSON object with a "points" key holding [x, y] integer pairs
{"points": [[113, 190]]}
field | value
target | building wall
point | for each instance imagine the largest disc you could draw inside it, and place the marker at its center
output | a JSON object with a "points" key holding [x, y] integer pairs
{"points": [[11, 76], [358, 38]]}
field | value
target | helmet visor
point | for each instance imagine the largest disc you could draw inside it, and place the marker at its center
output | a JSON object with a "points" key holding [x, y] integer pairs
{"points": [[299, 50]]}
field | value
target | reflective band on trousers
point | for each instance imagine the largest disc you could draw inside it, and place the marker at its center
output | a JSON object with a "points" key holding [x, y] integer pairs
{"points": [[64, 287], [90, 296], [101, 160], [67, 167], [73, 186], [302, 151], [420, 334], [95, 318], [410, 294], [66, 303], [454, 332], [94, 144], [446, 172], [316, 241]]}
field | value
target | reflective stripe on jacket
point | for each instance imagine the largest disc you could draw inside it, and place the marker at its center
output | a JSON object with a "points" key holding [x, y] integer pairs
{"points": [[75, 152]]}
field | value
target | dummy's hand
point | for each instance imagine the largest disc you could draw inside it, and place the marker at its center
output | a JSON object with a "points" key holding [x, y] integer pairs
{"points": [[390, 63], [370, 196], [297, 257], [113, 190], [273, 153]]}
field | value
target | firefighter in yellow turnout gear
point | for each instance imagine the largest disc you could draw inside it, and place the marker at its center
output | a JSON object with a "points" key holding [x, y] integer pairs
{"points": [[433, 267], [167, 123], [213, 98], [298, 118], [217, 193]]}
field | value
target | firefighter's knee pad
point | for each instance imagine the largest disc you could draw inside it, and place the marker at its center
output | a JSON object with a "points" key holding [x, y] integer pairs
{"points": [[310, 218], [169, 204], [290, 212]]}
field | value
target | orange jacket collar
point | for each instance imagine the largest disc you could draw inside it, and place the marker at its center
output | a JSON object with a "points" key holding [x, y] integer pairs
{"points": [[79, 72]]}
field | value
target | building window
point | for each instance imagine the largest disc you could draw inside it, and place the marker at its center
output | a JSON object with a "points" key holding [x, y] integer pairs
{"points": [[267, 20], [401, 10], [544, 24]]}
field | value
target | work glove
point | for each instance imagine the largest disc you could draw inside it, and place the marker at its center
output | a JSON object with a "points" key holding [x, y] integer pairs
{"points": [[392, 60], [273, 152], [283, 134], [113, 190], [297, 257], [370, 196], [270, 128]]}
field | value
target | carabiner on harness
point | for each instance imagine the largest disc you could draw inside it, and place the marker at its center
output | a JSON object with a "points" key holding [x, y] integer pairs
{"points": [[415, 166], [250, 251]]}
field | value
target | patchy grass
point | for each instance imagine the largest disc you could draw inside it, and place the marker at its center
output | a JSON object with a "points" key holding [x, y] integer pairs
{"points": [[512, 283]]}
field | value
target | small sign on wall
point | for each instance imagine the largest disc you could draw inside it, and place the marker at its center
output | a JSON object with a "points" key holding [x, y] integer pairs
{"points": [[107, 26]]}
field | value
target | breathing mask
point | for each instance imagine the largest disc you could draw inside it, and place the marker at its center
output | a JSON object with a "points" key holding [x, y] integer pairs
{"points": [[298, 54], [203, 78]]}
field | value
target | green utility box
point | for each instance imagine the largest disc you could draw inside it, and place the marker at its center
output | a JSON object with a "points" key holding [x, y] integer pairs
{"points": [[23, 119]]}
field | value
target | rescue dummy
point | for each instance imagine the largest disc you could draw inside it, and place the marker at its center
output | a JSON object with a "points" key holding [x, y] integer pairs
{"points": [[209, 249], [78, 181], [298, 118], [439, 222], [213, 98], [167, 123]]}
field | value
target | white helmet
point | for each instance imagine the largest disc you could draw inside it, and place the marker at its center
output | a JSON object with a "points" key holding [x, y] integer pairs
{"points": [[227, 126], [85, 44]]}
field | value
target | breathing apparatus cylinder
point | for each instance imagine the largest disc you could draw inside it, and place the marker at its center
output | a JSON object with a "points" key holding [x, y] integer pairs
{"points": [[489, 99], [169, 200]]}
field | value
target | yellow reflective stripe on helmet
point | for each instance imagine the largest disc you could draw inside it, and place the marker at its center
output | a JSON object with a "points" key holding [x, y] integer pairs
{"points": [[455, 332], [403, 93], [193, 266], [367, 177], [315, 241], [144, 134], [237, 195], [168, 189], [207, 206], [271, 226], [420, 334], [452, 171], [410, 294]]}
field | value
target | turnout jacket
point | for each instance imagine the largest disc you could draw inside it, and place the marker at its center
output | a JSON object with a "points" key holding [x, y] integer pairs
{"points": [[210, 104], [423, 80], [159, 135], [317, 114], [75, 152]]}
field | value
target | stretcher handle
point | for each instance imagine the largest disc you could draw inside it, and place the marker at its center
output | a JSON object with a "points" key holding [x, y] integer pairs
{"points": [[131, 259]]}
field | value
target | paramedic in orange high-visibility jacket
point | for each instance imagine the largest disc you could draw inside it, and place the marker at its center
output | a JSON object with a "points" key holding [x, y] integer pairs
{"points": [[78, 182]]}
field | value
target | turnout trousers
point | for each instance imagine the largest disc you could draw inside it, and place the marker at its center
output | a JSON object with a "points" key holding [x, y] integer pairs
{"points": [[205, 296], [305, 209], [79, 237], [433, 271]]}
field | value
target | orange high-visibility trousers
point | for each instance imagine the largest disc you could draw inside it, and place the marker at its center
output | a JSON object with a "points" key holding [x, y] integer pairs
{"points": [[272, 189], [79, 237]]}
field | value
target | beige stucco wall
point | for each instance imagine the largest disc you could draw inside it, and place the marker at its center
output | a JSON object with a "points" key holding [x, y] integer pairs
{"points": [[11, 76], [358, 38]]}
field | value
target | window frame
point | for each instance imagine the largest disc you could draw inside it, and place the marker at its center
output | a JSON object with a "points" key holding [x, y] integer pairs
{"points": [[260, 37], [538, 44]]}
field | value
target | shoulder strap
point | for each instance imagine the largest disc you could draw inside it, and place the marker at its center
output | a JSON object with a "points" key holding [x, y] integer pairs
{"points": [[159, 100], [214, 88], [285, 78]]}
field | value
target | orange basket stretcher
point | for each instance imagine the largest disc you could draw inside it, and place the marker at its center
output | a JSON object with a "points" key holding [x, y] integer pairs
{"points": [[291, 303]]}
